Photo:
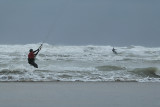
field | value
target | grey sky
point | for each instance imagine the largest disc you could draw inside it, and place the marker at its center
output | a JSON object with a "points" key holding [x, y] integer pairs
{"points": [[80, 22]]}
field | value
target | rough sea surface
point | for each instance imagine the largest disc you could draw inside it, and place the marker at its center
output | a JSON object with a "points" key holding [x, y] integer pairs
{"points": [[80, 63]]}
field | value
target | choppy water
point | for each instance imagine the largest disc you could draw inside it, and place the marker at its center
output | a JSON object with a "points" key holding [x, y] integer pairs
{"points": [[80, 63]]}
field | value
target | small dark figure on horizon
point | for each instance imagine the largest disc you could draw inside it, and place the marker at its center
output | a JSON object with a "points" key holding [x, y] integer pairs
{"points": [[31, 56], [114, 51]]}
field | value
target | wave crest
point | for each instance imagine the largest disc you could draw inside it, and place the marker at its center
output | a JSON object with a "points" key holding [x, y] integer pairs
{"points": [[16, 71], [146, 72]]}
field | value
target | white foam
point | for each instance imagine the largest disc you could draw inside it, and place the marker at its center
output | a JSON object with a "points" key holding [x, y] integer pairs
{"points": [[78, 62]]}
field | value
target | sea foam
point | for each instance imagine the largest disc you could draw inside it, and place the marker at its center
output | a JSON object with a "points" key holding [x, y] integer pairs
{"points": [[80, 63]]}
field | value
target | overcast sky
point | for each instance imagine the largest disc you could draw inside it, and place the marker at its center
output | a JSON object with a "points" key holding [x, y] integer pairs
{"points": [[80, 22]]}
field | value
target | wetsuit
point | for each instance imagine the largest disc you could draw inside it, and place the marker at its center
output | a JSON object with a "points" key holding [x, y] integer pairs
{"points": [[114, 51], [31, 58]]}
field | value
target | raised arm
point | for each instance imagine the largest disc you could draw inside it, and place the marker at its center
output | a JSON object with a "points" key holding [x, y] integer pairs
{"points": [[37, 51]]}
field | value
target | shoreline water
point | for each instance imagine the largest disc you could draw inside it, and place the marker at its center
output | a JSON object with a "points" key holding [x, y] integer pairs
{"points": [[79, 94]]}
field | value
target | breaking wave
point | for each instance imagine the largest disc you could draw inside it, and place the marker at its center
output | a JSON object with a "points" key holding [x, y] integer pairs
{"points": [[146, 72], [80, 63]]}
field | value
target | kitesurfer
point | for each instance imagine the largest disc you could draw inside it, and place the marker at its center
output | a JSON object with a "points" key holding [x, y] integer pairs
{"points": [[114, 51], [31, 56]]}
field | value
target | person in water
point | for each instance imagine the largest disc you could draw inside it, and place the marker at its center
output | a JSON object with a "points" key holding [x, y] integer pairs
{"points": [[114, 51], [31, 56]]}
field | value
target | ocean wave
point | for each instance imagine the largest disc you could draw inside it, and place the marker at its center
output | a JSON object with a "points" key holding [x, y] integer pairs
{"points": [[110, 68], [146, 72], [8, 71], [121, 75], [80, 63]]}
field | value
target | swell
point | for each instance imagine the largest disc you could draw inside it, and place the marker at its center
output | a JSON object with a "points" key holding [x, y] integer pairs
{"points": [[121, 74], [84, 63], [8, 71], [110, 68], [146, 72]]}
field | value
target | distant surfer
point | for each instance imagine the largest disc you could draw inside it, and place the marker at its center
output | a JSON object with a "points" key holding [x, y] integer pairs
{"points": [[31, 56], [114, 51]]}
